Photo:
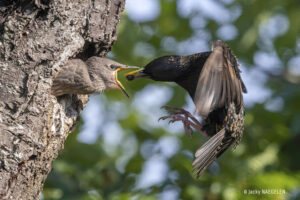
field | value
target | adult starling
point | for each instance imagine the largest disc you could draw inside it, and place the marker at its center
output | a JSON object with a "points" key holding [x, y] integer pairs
{"points": [[213, 81], [94, 75]]}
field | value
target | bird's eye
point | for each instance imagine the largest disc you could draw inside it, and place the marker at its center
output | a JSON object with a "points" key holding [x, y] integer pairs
{"points": [[113, 67]]}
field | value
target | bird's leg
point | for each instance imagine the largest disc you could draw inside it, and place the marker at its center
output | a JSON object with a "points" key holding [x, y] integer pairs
{"points": [[188, 120], [185, 121]]}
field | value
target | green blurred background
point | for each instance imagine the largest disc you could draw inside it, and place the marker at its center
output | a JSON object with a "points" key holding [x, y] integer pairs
{"points": [[119, 150]]}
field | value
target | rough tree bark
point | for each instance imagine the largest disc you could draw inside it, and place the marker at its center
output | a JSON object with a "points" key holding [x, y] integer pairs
{"points": [[36, 38]]}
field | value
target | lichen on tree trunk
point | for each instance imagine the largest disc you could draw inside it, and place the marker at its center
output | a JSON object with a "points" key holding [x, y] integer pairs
{"points": [[36, 38]]}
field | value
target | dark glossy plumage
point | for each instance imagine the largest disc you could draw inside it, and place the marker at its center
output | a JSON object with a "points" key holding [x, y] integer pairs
{"points": [[211, 78], [213, 81]]}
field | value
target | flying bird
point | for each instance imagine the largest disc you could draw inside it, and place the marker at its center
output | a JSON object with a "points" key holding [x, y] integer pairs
{"points": [[213, 81], [94, 75]]}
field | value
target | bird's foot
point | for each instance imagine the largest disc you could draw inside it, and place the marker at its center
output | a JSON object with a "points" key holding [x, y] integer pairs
{"points": [[177, 117], [188, 120]]}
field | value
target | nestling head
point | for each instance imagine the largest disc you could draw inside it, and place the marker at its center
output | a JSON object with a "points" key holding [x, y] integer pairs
{"points": [[107, 70]]}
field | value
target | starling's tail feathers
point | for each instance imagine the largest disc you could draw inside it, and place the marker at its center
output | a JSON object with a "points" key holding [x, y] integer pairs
{"points": [[216, 145], [209, 152]]}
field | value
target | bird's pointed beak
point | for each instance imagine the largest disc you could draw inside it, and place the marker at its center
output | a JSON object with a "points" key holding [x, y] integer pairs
{"points": [[119, 84], [136, 74]]}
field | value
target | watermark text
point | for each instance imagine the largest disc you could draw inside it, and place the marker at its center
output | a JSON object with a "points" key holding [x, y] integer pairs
{"points": [[265, 191]]}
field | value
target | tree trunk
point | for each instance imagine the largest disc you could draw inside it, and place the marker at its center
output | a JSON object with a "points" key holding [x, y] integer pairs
{"points": [[36, 38]]}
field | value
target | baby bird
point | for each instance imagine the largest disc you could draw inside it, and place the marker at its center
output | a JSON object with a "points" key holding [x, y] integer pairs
{"points": [[94, 75]]}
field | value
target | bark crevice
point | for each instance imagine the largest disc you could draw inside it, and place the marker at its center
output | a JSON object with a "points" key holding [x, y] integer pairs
{"points": [[36, 38]]}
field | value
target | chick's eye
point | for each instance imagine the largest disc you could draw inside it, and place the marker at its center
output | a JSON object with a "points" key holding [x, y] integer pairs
{"points": [[113, 67]]}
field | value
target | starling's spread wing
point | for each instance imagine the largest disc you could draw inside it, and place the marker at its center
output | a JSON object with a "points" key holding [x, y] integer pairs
{"points": [[219, 82]]}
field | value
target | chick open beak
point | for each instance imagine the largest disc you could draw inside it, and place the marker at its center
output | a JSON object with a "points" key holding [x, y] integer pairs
{"points": [[136, 74], [119, 84]]}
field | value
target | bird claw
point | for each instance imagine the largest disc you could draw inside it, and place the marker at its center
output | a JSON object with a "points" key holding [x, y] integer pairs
{"points": [[178, 117], [163, 118], [174, 118], [172, 109], [177, 111], [188, 120]]}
